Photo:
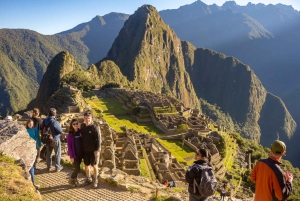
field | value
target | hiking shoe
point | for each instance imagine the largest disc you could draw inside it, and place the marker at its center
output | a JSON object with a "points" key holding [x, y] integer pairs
{"points": [[95, 182], [77, 183], [59, 169], [88, 181], [71, 182]]}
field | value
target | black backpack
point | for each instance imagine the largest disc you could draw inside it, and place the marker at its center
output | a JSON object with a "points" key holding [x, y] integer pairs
{"points": [[47, 137], [208, 183]]}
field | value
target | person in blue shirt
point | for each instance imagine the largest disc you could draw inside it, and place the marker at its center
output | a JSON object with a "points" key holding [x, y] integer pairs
{"points": [[34, 134], [56, 131]]}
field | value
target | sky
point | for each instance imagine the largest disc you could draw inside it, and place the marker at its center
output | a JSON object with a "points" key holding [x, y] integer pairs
{"points": [[53, 16]]}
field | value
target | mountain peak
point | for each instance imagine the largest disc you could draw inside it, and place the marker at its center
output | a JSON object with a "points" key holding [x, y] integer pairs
{"points": [[229, 4], [96, 20]]}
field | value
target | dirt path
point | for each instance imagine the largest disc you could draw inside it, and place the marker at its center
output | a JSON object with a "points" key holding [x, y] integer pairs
{"points": [[54, 186]]}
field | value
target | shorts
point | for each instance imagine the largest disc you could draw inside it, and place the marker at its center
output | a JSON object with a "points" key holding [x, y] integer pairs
{"points": [[89, 158]]}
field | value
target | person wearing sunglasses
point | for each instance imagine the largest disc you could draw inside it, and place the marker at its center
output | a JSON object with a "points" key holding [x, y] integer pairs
{"points": [[74, 142]]}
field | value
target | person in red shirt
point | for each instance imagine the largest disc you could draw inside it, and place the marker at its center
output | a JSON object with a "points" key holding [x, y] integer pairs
{"points": [[272, 183]]}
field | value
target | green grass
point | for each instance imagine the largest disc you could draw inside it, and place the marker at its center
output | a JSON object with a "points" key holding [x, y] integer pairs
{"points": [[13, 185], [144, 169], [175, 147], [150, 170], [117, 117]]}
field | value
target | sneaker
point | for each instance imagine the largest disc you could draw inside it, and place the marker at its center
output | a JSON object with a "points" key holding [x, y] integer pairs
{"points": [[95, 182], [88, 181], [37, 168], [48, 169], [59, 169], [77, 183]]}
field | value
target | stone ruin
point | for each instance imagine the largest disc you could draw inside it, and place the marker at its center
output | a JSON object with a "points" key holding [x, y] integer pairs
{"points": [[14, 139]]}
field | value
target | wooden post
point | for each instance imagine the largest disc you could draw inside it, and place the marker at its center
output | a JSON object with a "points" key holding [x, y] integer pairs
{"points": [[156, 193]]}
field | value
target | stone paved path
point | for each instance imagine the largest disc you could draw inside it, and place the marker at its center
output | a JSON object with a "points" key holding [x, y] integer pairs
{"points": [[54, 186]]}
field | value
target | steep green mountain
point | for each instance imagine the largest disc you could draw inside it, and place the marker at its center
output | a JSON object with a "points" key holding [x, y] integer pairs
{"points": [[24, 57], [234, 87], [149, 54], [25, 54], [61, 65]]}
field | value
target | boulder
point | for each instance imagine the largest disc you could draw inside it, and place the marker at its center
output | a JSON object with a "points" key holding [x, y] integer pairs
{"points": [[16, 143]]}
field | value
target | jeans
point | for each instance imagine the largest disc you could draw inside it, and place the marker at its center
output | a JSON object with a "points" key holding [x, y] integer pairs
{"points": [[77, 162], [56, 145], [31, 172], [38, 151]]}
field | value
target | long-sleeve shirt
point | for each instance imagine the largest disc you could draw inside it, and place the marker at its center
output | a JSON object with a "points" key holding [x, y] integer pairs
{"points": [[270, 181], [34, 134], [91, 138]]}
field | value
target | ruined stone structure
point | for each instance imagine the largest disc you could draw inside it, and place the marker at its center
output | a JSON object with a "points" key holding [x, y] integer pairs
{"points": [[128, 152]]}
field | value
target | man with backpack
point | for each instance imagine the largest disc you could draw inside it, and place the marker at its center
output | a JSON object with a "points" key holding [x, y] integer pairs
{"points": [[91, 141], [200, 177], [51, 137], [272, 183]]}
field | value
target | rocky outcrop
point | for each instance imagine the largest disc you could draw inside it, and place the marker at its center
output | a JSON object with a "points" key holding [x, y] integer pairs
{"points": [[16, 143]]}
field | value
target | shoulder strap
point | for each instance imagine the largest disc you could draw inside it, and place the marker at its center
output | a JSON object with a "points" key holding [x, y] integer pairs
{"points": [[277, 170]]}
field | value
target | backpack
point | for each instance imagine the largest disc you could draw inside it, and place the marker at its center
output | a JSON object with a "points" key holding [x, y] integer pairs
{"points": [[47, 137], [208, 183]]}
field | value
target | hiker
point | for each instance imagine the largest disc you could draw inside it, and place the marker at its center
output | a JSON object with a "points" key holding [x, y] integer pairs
{"points": [[37, 122], [74, 141], [272, 183], [34, 134], [91, 141], [172, 184], [56, 131], [165, 183], [223, 192], [193, 175]]}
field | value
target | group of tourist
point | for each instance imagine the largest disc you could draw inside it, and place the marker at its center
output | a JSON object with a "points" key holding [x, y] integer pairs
{"points": [[272, 183], [84, 143]]}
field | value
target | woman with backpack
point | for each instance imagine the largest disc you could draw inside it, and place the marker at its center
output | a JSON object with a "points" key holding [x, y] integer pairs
{"points": [[34, 134], [74, 141], [194, 176]]}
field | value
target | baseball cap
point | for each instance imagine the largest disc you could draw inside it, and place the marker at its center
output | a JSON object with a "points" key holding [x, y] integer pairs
{"points": [[8, 118], [278, 147]]}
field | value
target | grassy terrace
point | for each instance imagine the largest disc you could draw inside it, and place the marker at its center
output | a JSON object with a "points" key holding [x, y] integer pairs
{"points": [[13, 185], [116, 116], [175, 147]]}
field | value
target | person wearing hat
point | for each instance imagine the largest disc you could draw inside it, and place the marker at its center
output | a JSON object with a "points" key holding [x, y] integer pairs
{"points": [[8, 118], [271, 182]]}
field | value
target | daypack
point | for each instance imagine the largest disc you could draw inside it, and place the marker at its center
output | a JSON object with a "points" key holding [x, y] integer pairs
{"points": [[208, 183], [47, 137]]}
